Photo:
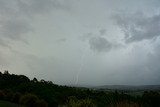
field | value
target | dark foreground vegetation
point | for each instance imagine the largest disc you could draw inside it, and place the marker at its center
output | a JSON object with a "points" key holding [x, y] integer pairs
{"points": [[20, 90]]}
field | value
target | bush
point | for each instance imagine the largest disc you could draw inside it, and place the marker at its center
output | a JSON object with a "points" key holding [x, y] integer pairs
{"points": [[124, 104], [86, 103], [2, 95], [29, 100], [74, 102], [16, 97], [41, 103]]}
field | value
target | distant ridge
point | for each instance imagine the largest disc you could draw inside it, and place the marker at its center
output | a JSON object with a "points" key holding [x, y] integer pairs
{"points": [[129, 87]]}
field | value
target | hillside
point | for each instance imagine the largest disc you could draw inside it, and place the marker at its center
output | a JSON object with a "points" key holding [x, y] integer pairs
{"points": [[21, 90]]}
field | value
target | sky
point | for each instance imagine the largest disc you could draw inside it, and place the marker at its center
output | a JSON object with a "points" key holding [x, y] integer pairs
{"points": [[82, 42]]}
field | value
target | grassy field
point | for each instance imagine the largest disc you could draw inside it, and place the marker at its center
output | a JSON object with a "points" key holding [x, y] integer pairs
{"points": [[8, 104]]}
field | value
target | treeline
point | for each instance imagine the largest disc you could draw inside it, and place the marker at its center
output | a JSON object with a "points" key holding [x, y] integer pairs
{"points": [[33, 93]]}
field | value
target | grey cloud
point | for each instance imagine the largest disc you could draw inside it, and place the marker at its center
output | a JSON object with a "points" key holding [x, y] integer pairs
{"points": [[3, 60], [48, 68], [138, 27], [102, 32], [146, 71], [16, 16], [136, 67], [86, 36], [3, 43], [58, 56], [61, 40], [32, 7], [100, 44], [13, 29], [153, 63]]}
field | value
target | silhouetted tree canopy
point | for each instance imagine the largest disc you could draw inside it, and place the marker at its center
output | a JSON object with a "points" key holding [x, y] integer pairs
{"points": [[33, 93]]}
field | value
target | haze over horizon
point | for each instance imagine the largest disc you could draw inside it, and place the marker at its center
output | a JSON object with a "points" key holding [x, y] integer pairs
{"points": [[83, 42]]}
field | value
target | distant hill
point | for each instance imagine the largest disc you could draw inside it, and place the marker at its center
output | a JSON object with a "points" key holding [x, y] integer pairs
{"points": [[128, 87]]}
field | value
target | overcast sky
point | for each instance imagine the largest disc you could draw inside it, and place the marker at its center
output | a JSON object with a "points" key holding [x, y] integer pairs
{"points": [[84, 42]]}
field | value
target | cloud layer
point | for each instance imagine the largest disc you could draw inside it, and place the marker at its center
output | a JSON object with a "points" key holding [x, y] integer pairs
{"points": [[138, 27], [65, 38], [16, 16]]}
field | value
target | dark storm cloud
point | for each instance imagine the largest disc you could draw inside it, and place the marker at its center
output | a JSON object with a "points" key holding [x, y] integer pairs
{"points": [[98, 41], [100, 44], [138, 27], [16, 16]]}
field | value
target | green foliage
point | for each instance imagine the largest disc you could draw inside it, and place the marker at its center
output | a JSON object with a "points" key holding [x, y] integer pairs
{"points": [[43, 93], [29, 100], [74, 102]]}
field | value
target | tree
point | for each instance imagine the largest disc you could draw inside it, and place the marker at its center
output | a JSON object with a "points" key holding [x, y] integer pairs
{"points": [[6, 72], [35, 80]]}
